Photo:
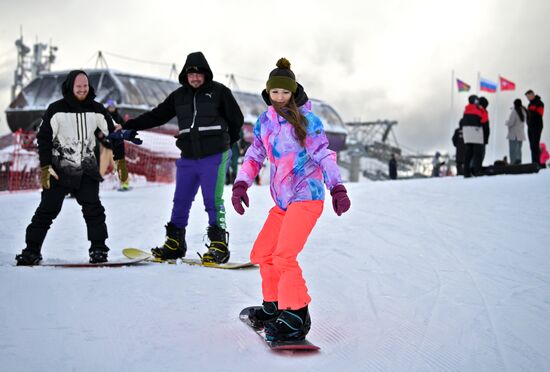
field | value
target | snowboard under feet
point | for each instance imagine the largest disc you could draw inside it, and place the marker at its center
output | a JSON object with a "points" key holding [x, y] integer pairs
{"points": [[114, 263], [300, 345], [135, 253]]}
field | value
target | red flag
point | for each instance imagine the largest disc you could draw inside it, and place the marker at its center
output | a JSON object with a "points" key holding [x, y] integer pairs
{"points": [[506, 84]]}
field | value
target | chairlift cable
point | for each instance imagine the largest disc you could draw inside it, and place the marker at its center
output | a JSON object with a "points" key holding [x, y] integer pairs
{"points": [[137, 59]]}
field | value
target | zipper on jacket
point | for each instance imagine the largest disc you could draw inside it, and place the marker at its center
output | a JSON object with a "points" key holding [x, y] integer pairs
{"points": [[81, 131], [81, 135], [194, 109]]}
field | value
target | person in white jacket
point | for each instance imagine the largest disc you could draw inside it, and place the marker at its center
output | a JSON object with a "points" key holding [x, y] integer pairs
{"points": [[516, 131]]}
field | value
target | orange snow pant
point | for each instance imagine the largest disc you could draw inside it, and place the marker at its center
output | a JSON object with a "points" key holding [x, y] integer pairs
{"points": [[281, 239]]}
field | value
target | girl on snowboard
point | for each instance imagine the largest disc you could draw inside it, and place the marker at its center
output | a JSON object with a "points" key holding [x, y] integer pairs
{"points": [[293, 140]]}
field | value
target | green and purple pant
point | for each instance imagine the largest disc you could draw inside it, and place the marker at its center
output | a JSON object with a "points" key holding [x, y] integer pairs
{"points": [[208, 173]]}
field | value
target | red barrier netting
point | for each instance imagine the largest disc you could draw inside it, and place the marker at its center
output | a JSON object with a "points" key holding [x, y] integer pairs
{"points": [[20, 166]]}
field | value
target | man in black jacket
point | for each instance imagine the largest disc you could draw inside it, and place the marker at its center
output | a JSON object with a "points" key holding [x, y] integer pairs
{"points": [[534, 124], [66, 140], [209, 121]]}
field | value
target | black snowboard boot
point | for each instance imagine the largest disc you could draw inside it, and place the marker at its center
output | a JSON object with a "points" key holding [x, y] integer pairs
{"points": [[174, 246], [267, 313], [291, 325], [98, 252], [28, 257], [218, 251]]}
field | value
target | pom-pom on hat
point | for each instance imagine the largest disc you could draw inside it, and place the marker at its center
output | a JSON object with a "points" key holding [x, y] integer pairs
{"points": [[282, 77]]}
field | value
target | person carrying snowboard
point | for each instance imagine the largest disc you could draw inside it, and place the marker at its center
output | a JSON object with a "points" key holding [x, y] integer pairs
{"points": [[209, 121], [66, 140], [293, 140]]}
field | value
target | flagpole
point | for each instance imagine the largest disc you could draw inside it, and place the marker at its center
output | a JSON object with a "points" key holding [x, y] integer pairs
{"points": [[496, 120], [451, 116], [478, 82]]}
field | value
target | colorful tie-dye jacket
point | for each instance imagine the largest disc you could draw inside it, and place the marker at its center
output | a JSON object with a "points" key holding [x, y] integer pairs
{"points": [[297, 173]]}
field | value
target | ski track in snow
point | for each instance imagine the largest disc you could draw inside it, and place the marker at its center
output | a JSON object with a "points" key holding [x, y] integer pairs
{"points": [[425, 275]]}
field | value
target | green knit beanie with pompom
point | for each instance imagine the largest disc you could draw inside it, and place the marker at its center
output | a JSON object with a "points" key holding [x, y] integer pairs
{"points": [[282, 77]]}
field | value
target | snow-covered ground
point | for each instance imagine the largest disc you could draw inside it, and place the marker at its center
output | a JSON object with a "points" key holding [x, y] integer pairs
{"points": [[424, 275]]}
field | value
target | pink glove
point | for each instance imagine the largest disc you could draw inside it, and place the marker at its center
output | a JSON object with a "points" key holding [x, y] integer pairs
{"points": [[340, 199], [239, 196]]}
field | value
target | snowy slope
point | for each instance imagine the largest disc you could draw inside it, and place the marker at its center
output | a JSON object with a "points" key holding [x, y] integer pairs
{"points": [[425, 275]]}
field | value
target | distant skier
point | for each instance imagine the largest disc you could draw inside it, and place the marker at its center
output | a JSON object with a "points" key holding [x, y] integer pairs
{"points": [[544, 156], [293, 140], [392, 165], [458, 143], [66, 141], [209, 121], [436, 164]]}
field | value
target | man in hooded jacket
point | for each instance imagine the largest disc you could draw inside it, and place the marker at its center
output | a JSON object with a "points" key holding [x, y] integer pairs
{"points": [[209, 121], [66, 140]]}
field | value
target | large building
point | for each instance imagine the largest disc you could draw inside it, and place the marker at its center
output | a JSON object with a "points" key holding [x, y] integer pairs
{"points": [[135, 94]]}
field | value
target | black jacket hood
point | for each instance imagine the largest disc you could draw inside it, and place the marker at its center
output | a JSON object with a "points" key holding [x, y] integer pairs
{"points": [[67, 89], [300, 96], [196, 62]]}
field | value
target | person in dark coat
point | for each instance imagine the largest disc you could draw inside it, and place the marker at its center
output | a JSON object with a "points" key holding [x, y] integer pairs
{"points": [[209, 121], [393, 167], [104, 148], [458, 143], [483, 104], [66, 141], [534, 124]]}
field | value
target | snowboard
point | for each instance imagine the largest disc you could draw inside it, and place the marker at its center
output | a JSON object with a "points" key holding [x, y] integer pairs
{"points": [[134, 253], [301, 345], [115, 263]]}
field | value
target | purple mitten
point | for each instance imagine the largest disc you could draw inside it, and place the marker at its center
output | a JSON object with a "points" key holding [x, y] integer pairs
{"points": [[239, 196], [340, 199]]}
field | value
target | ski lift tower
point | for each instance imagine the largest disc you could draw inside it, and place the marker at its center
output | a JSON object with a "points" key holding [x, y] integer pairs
{"points": [[374, 137], [30, 67]]}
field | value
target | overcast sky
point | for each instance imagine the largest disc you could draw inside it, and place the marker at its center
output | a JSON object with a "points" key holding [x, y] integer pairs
{"points": [[368, 59]]}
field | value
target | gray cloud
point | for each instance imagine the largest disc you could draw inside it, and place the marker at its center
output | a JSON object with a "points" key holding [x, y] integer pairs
{"points": [[369, 60]]}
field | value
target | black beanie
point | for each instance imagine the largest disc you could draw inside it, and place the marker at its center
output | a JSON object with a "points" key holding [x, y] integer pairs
{"points": [[282, 77], [195, 69], [483, 102]]}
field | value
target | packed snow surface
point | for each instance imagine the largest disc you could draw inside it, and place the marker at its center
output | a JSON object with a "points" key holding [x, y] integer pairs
{"points": [[445, 274]]}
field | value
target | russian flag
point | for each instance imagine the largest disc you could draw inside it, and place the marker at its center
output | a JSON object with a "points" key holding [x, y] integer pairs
{"points": [[486, 85]]}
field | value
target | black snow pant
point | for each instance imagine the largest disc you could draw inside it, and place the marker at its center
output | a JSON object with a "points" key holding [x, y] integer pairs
{"points": [[473, 153], [482, 155], [534, 132], [87, 195]]}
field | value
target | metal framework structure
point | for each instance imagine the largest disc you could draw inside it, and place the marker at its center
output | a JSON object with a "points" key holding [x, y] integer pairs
{"points": [[375, 142]]}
